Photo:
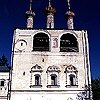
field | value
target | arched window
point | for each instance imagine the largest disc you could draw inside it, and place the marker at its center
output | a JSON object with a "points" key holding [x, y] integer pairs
{"points": [[37, 79], [53, 76], [71, 76], [41, 42], [53, 79], [36, 73], [68, 43]]}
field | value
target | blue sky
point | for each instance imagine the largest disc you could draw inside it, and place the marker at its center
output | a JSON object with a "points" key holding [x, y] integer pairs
{"points": [[87, 16]]}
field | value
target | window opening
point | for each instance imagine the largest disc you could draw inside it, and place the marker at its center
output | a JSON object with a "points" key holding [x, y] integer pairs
{"points": [[49, 25], [72, 80], [53, 80], [2, 83], [37, 80], [68, 43], [71, 76], [41, 42]]}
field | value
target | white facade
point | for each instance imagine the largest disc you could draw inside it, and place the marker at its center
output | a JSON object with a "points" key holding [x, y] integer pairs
{"points": [[48, 64], [53, 71], [4, 82]]}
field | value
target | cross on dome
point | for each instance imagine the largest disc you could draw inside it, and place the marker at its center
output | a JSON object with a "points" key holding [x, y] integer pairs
{"points": [[49, 2], [30, 5], [68, 4]]}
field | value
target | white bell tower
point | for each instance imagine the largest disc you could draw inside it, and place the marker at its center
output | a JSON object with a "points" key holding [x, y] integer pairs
{"points": [[49, 63]]}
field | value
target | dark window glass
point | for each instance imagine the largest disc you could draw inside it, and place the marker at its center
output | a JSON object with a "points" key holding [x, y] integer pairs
{"points": [[37, 80], [41, 42], [2, 83], [68, 43], [72, 80], [53, 80]]}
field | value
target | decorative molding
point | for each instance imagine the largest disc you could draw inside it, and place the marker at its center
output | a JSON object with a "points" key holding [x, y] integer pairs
{"points": [[36, 68], [53, 69]]}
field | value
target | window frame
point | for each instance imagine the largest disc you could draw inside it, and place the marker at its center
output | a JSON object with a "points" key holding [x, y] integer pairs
{"points": [[41, 48], [53, 71], [69, 48], [71, 71], [35, 71]]}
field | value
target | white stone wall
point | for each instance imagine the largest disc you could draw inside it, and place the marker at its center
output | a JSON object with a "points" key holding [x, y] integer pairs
{"points": [[44, 96], [26, 63], [24, 59]]}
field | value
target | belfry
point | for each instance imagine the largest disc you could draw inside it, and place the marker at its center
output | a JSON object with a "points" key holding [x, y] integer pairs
{"points": [[50, 64]]}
